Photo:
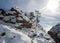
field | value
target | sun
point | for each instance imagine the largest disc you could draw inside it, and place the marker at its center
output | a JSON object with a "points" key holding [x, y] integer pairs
{"points": [[52, 5]]}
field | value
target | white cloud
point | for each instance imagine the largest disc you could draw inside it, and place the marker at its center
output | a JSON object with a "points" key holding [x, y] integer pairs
{"points": [[36, 4], [47, 17], [53, 8], [41, 4], [49, 13]]}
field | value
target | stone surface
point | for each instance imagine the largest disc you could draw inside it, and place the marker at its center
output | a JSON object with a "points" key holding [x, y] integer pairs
{"points": [[55, 33]]}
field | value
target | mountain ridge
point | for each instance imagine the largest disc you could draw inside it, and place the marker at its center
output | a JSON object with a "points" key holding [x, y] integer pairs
{"points": [[28, 24]]}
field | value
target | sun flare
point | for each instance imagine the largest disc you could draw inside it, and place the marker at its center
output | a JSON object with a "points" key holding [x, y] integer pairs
{"points": [[52, 5]]}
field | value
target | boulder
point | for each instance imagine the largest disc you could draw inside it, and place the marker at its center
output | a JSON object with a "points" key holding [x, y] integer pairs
{"points": [[26, 25], [55, 33], [16, 10], [2, 11], [10, 13], [6, 19]]}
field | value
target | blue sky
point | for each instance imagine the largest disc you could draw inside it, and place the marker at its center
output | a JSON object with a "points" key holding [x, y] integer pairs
{"points": [[50, 15]]}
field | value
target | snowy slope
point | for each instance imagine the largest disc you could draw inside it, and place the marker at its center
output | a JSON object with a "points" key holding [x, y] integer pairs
{"points": [[12, 36]]}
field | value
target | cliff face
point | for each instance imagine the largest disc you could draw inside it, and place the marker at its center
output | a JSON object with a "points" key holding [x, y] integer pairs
{"points": [[55, 33], [27, 24]]}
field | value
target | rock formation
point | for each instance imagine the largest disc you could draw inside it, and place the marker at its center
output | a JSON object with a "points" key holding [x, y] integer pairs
{"points": [[27, 23], [55, 33]]}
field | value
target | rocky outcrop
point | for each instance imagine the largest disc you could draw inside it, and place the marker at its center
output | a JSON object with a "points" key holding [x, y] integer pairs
{"points": [[55, 33], [27, 23], [14, 17]]}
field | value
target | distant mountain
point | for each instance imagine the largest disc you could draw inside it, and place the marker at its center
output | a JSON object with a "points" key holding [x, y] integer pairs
{"points": [[17, 26], [55, 33]]}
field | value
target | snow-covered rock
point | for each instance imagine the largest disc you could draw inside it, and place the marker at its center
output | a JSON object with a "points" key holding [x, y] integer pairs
{"points": [[38, 35], [17, 10], [6, 18], [55, 33], [25, 23], [2, 11]]}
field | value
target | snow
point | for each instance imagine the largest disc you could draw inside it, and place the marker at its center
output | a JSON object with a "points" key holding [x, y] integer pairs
{"points": [[13, 36], [16, 8], [6, 18], [13, 19], [38, 35], [33, 34], [25, 17], [10, 33], [1, 15], [2, 22], [19, 18], [11, 12]]}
